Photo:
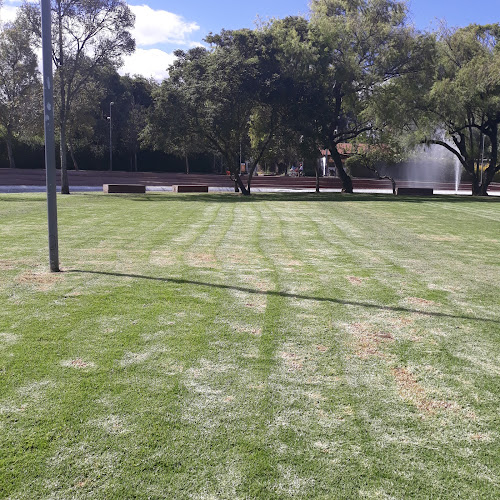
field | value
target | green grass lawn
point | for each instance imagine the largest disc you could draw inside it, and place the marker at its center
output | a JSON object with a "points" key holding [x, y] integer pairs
{"points": [[282, 346]]}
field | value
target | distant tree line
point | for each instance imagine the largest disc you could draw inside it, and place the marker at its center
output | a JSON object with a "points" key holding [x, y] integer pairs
{"points": [[355, 71]]}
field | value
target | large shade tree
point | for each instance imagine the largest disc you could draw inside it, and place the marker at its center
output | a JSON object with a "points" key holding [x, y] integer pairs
{"points": [[456, 104], [362, 46], [222, 91], [464, 99], [86, 35]]}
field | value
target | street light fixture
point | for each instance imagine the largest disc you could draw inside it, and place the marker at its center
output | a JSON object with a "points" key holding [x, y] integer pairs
{"points": [[110, 137]]}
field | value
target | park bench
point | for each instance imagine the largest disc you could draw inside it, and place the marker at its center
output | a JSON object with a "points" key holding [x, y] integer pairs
{"points": [[123, 188], [189, 188], [414, 191]]}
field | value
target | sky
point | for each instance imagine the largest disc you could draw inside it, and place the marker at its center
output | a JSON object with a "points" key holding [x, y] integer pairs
{"points": [[165, 25]]}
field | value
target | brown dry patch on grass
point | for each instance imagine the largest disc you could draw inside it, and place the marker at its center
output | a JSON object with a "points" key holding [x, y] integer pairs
{"points": [[162, 258], [257, 332], [417, 301], [201, 259], [354, 280], [411, 391], [238, 258], [43, 281], [7, 265], [292, 361], [77, 363], [367, 340], [322, 348], [256, 303], [416, 338], [262, 285], [480, 436], [316, 397], [438, 237], [399, 322]]}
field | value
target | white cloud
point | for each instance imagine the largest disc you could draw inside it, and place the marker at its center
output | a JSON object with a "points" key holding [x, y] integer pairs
{"points": [[148, 63], [8, 13], [160, 26], [152, 27]]}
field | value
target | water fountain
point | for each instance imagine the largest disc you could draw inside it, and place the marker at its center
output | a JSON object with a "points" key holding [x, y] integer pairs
{"points": [[430, 166]]}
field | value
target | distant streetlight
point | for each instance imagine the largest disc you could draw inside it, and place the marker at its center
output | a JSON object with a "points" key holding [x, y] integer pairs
{"points": [[110, 137]]}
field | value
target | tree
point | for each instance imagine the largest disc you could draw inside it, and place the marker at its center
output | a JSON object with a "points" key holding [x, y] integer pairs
{"points": [[19, 85], [464, 99], [138, 99], [85, 113], [169, 126], [362, 46], [86, 34], [456, 102], [221, 90]]}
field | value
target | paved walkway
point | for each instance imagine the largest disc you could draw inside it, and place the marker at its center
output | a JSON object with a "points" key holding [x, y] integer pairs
{"points": [[33, 180]]}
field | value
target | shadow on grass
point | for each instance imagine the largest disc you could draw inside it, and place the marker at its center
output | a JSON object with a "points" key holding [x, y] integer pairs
{"points": [[13, 197], [225, 197], [286, 294]]}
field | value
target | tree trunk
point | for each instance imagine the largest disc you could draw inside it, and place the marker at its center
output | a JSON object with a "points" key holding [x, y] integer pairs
{"points": [[393, 182], [239, 186], [64, 107], [187, 163], [346, 180], [8, 140], [135, 161], [489, 173], [476, 185], [71, 153], [251, 171], [64, 164], [316, 168]]}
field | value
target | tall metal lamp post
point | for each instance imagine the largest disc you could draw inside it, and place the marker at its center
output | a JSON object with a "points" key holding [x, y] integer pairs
{"points": [[110, 137], [50, 153]]}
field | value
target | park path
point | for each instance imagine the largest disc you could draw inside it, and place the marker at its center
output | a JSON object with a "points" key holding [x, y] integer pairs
{"points": [[95, 179]]}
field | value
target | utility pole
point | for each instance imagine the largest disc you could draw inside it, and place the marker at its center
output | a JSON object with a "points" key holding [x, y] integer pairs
{"points": [[50, 153]]}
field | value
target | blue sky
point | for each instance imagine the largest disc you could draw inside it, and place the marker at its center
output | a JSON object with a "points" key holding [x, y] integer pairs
{"points": [[212, 16], [164, 25], [189, 21]]}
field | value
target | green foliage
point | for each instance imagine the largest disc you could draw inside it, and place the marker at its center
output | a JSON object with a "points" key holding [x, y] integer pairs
{"points": [[20, 88]]}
